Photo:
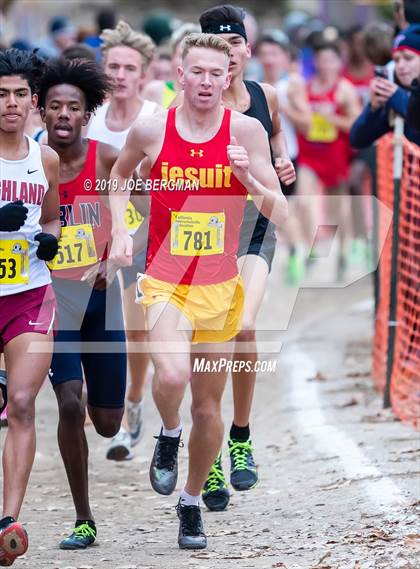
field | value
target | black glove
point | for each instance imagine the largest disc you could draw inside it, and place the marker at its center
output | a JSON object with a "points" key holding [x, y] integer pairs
{"points": [[12, 216], [48, 246]]}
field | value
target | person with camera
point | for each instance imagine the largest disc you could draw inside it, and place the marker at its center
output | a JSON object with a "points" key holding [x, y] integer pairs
{"points": [[387, 99]]}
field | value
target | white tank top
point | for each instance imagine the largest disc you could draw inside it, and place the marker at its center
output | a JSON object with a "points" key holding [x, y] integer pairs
{"points": [[24, 180], [99, 131], [286, 125]]}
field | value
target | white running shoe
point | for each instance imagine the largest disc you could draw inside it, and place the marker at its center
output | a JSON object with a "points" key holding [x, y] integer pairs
{"points": [[135, 420], [120, 446]]}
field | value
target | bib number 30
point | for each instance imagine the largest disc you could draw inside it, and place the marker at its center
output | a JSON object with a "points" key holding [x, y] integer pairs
{"points": [[133, 219]]}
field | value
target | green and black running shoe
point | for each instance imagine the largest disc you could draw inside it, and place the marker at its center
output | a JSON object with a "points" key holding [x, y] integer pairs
{"points": [[243, 470], [215, 493], [83, 535]]}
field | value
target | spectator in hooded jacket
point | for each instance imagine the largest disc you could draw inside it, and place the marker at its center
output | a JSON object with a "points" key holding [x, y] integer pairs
{"points": [[388, 99]]}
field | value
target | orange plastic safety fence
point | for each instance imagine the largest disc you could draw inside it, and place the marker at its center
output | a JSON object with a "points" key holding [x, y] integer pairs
{"points": [[405, 379], [385, 189]]}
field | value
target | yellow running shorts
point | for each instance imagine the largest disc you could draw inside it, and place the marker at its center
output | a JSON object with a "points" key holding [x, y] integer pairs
{"points": [[214, 311]]}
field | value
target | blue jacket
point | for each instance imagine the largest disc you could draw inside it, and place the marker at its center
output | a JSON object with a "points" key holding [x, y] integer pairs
{"points": [[371, 125]]}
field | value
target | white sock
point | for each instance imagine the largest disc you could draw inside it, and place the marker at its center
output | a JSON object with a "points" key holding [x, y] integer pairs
{"points": [[135, 404], [188, 500], [172, 432]]}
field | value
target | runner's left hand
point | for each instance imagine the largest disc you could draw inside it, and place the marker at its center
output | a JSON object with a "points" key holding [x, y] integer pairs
{"points": [[47, 246], [239, 161], [285, 170]]}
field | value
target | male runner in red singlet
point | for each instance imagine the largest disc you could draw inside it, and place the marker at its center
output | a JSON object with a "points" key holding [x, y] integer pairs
{"points": [[324, 157], [255, 252], [192, 279], [29, 231], [88, 297]]}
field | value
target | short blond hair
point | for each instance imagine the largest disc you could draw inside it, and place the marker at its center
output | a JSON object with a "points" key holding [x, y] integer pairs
{"points": [[182, 32], [124, 35], [208, 41]]}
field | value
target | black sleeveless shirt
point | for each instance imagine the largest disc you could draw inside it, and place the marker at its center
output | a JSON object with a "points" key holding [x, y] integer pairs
{"points": [[259, 110], [259, 106]]}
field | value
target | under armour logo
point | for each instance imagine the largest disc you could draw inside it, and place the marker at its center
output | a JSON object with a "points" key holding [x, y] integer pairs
{"points": [[199, 153], [225, 28]]}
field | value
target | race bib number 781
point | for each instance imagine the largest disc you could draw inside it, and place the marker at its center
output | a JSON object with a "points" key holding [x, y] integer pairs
{"points": [[197, 233]]}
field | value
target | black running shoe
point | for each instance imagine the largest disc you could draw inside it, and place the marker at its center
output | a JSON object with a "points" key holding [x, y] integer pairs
{"points": [[191, 532], [164, 466], [243, 471], [215, 493]]}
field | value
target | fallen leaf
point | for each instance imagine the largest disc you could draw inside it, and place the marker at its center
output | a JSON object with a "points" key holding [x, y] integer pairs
{"points": [[412, 540], [320, 564], [338, 484], [318, 377], [222, 533], [353, 401], [384, 416], [379, 534], [358, 374]]}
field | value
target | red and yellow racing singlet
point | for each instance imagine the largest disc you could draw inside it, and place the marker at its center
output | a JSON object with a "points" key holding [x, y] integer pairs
{"points": [[325, 149], [196, 209]]}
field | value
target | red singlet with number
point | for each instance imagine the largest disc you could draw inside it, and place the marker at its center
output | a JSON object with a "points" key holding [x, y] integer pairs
{"points": [[325, 149], [85, 222], [196, 210]]}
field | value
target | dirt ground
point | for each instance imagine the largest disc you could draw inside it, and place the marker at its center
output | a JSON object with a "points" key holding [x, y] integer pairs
{"points": [[338, 483]]}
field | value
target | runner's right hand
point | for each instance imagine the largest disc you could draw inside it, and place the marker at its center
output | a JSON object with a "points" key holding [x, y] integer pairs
{"points": [[239, 160], [100, 276], [122, 249], [13, 216]]}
